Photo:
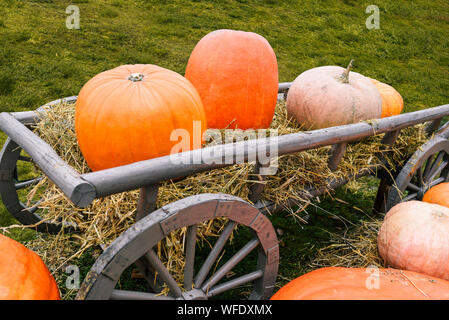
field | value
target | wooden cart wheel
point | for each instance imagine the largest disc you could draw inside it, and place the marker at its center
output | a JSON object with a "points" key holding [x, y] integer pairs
{"points": [[425, 169], [137, 245], [11, 184]]}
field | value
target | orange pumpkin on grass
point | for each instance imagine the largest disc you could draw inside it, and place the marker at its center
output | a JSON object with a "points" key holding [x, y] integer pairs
{"points": [[392, 103], [23, 275], [236, 75], [128, 114], [415, 236], [335, 283]]}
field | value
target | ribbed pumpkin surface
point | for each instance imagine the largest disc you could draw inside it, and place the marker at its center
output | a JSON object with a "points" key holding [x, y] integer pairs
{"points": [[23, 275], [119, 121], [236, 75], [359, 284], [415, 236], [392, 103]]}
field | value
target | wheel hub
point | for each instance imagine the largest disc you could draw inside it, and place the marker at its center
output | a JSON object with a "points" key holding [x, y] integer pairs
{"points": [[194, 294]]}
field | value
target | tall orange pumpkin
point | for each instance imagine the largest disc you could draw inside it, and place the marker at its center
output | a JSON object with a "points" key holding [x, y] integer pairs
{"points": [[23, 275], [415, 236], [392, 103], [129, 113], [236, 75], [438, 194], [335, 283]]}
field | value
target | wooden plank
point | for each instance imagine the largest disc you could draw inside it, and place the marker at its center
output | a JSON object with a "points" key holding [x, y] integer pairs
{"points": [[30, 117], [336, 154], [79, 191], [146, 172]]}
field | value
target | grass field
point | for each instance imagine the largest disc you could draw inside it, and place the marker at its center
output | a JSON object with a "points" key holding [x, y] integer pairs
{"points": [[41, 60]]}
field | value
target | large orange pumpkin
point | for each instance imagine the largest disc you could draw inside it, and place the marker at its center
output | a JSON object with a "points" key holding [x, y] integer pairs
{"points": [[415, 236], [392, 103], [438, 194], [331, 96], [128, 114], [23, 275], [236, 75], [335, 283]]}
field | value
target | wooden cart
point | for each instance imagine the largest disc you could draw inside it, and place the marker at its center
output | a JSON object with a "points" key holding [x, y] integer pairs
{"points": [[426, 168]]}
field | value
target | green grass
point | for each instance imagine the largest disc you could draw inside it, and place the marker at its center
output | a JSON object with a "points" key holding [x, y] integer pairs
{"points": [[41, 60]]}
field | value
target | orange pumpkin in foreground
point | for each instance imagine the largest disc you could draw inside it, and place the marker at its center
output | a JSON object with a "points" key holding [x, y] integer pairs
{"points": [[335, 283], [129, 113], [415, 236], [392, 103], [23, 275], [330, 96], [236, 75], [438, 194]]}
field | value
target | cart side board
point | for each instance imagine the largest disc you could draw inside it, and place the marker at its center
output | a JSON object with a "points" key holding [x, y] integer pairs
{"points": [[83, 189]]}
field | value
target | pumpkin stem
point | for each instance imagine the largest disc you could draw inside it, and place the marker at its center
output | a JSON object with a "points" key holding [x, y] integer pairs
{"points": [[136, 77], [345, 75]]}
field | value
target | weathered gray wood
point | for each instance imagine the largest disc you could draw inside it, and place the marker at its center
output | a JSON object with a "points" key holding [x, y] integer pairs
{"points": [[147, 200], [146, 233], [213, 255], [30, 117], [135, 175], [284, 86], [190, 244], [433, 126], [79, 191], [234, 283], [337, 152], [390, 138], [269, 207], [9, 155], [425, 165], [230, 264], [256, 189]]}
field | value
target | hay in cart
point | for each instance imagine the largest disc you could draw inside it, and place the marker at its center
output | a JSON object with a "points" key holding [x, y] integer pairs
{"points": [[105, 219]]}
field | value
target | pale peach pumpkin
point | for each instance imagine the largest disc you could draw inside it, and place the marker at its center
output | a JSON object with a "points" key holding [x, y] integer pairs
{"points": [[336, 283], [236, 75], [415, 236], [331, 96]]}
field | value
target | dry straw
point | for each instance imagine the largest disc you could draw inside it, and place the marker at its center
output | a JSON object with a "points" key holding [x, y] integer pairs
{"points": [[105, 219]]}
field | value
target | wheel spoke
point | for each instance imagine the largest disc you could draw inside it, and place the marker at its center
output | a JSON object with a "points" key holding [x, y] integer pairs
{"points": [[158, 266], [135, 295], [413, 187], [26, 183], [25, 158], [428, 166], [437, 181], [214, 253], [434, 166], [190, 256], [437, 171], [410, 197], [420, 176], [239, 256], [234, 283]]}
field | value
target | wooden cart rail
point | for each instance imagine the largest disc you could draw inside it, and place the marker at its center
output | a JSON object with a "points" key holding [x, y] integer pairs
{"points": [[83, 189]]}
